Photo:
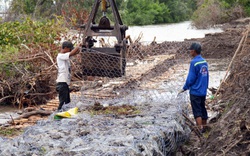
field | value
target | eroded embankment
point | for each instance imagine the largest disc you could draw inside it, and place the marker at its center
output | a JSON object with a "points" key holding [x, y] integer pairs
{"points": [[229, 130], [231, 134], [158, 128]]}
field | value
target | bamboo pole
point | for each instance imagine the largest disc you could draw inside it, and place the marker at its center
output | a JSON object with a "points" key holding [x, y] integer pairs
{"points": [[244, 37]]}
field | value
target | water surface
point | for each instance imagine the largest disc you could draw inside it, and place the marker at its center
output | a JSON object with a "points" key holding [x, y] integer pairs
{"points": [[169, 32]]}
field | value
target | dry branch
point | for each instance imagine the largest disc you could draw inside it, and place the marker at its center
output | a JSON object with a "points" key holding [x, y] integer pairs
{"points": [[192, 126], [35, 112], [6, 97], [98, 95], [233, 144], [244, 37]]}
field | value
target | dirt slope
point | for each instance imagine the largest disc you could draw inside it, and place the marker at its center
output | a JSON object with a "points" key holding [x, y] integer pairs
{"points": [[230, 131], [231, 134]]}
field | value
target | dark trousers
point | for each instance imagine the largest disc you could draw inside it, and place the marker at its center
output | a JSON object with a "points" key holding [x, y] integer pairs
{"points": [[64, 95], [198, 106]]}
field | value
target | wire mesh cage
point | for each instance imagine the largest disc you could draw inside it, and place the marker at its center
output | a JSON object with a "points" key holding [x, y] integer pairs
{"points": [[154, 73]]}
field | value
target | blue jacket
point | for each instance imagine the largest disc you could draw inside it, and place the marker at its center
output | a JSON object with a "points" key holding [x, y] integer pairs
{"points": [[198, 77]]}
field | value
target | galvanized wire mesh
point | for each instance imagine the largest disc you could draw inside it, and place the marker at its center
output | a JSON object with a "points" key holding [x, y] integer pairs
{"points": [[153, 76], [154, 73]]}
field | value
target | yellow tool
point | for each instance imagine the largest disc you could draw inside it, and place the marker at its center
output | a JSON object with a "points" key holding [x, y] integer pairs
{"points": [[66, 114], [73, 111]]}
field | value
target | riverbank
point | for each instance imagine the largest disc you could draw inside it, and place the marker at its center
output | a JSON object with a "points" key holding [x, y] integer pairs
{"points": [[158, 127], [152, 129], [229, 131]]}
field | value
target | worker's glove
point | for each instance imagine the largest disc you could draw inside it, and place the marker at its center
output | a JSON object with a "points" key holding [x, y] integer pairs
{"points": [[181, 91]]}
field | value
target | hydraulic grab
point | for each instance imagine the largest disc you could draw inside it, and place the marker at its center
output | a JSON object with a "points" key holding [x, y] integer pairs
{"points": [[104, 61]]}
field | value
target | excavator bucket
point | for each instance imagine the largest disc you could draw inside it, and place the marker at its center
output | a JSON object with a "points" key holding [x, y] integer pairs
{"points": [[109, 61]]}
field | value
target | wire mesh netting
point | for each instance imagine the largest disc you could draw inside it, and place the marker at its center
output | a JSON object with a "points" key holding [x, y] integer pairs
{"points": [[153, 74], [161, 67], [132, 112]]}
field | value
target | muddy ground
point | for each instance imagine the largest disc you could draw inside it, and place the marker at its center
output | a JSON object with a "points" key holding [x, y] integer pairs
{"points": [[229, 131]]}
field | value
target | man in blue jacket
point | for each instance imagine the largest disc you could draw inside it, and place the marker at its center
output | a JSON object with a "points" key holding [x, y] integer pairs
{"points": [[197, 84]]}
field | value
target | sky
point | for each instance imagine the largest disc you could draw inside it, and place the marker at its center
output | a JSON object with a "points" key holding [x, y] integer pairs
{"points": [[4, 4]]}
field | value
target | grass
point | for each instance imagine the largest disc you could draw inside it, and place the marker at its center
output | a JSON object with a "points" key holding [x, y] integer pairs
{"points": [[9, 132], [98, 109]]}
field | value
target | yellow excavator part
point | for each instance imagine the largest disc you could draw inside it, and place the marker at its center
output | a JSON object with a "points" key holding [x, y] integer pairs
{"points": [[104, 6]]}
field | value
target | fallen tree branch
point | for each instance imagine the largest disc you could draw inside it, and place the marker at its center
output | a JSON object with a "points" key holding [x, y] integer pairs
{"points": [[193, 126], [32, 58], [41, 94], [98, 95], [231, 146], [35, 112], [6, 97], [51, 59], [12, 120]]}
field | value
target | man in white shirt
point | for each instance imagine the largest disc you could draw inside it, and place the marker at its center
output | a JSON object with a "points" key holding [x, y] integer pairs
{"points": [[64, 75]]}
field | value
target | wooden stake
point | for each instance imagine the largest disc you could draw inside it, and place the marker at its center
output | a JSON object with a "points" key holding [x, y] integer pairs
{"points": [[244, 37]]}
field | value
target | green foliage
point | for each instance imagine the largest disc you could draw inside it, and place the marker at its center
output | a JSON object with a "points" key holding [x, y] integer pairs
{"points": [[208, 14], [133, 12], [179, 10], [247, 11], [211, 12], [22, 39], [7, 52], [246, 5], [28, 47], [47, 9], [33, 8], [144, 12], [6, 70], [29, 6], [9, 132], [13, 34]]}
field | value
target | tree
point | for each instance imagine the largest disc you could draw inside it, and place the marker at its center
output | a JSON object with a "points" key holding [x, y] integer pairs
{"points": [[179, 10], [35, 8], [143, 12], [212, 12], [133, 12], [74, 11]]}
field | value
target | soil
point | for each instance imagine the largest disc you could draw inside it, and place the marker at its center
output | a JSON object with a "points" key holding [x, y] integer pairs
{"points": [[229, 132]]}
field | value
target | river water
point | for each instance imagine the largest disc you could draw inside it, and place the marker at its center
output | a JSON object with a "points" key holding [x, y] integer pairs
{"points": [[169, 32]]}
